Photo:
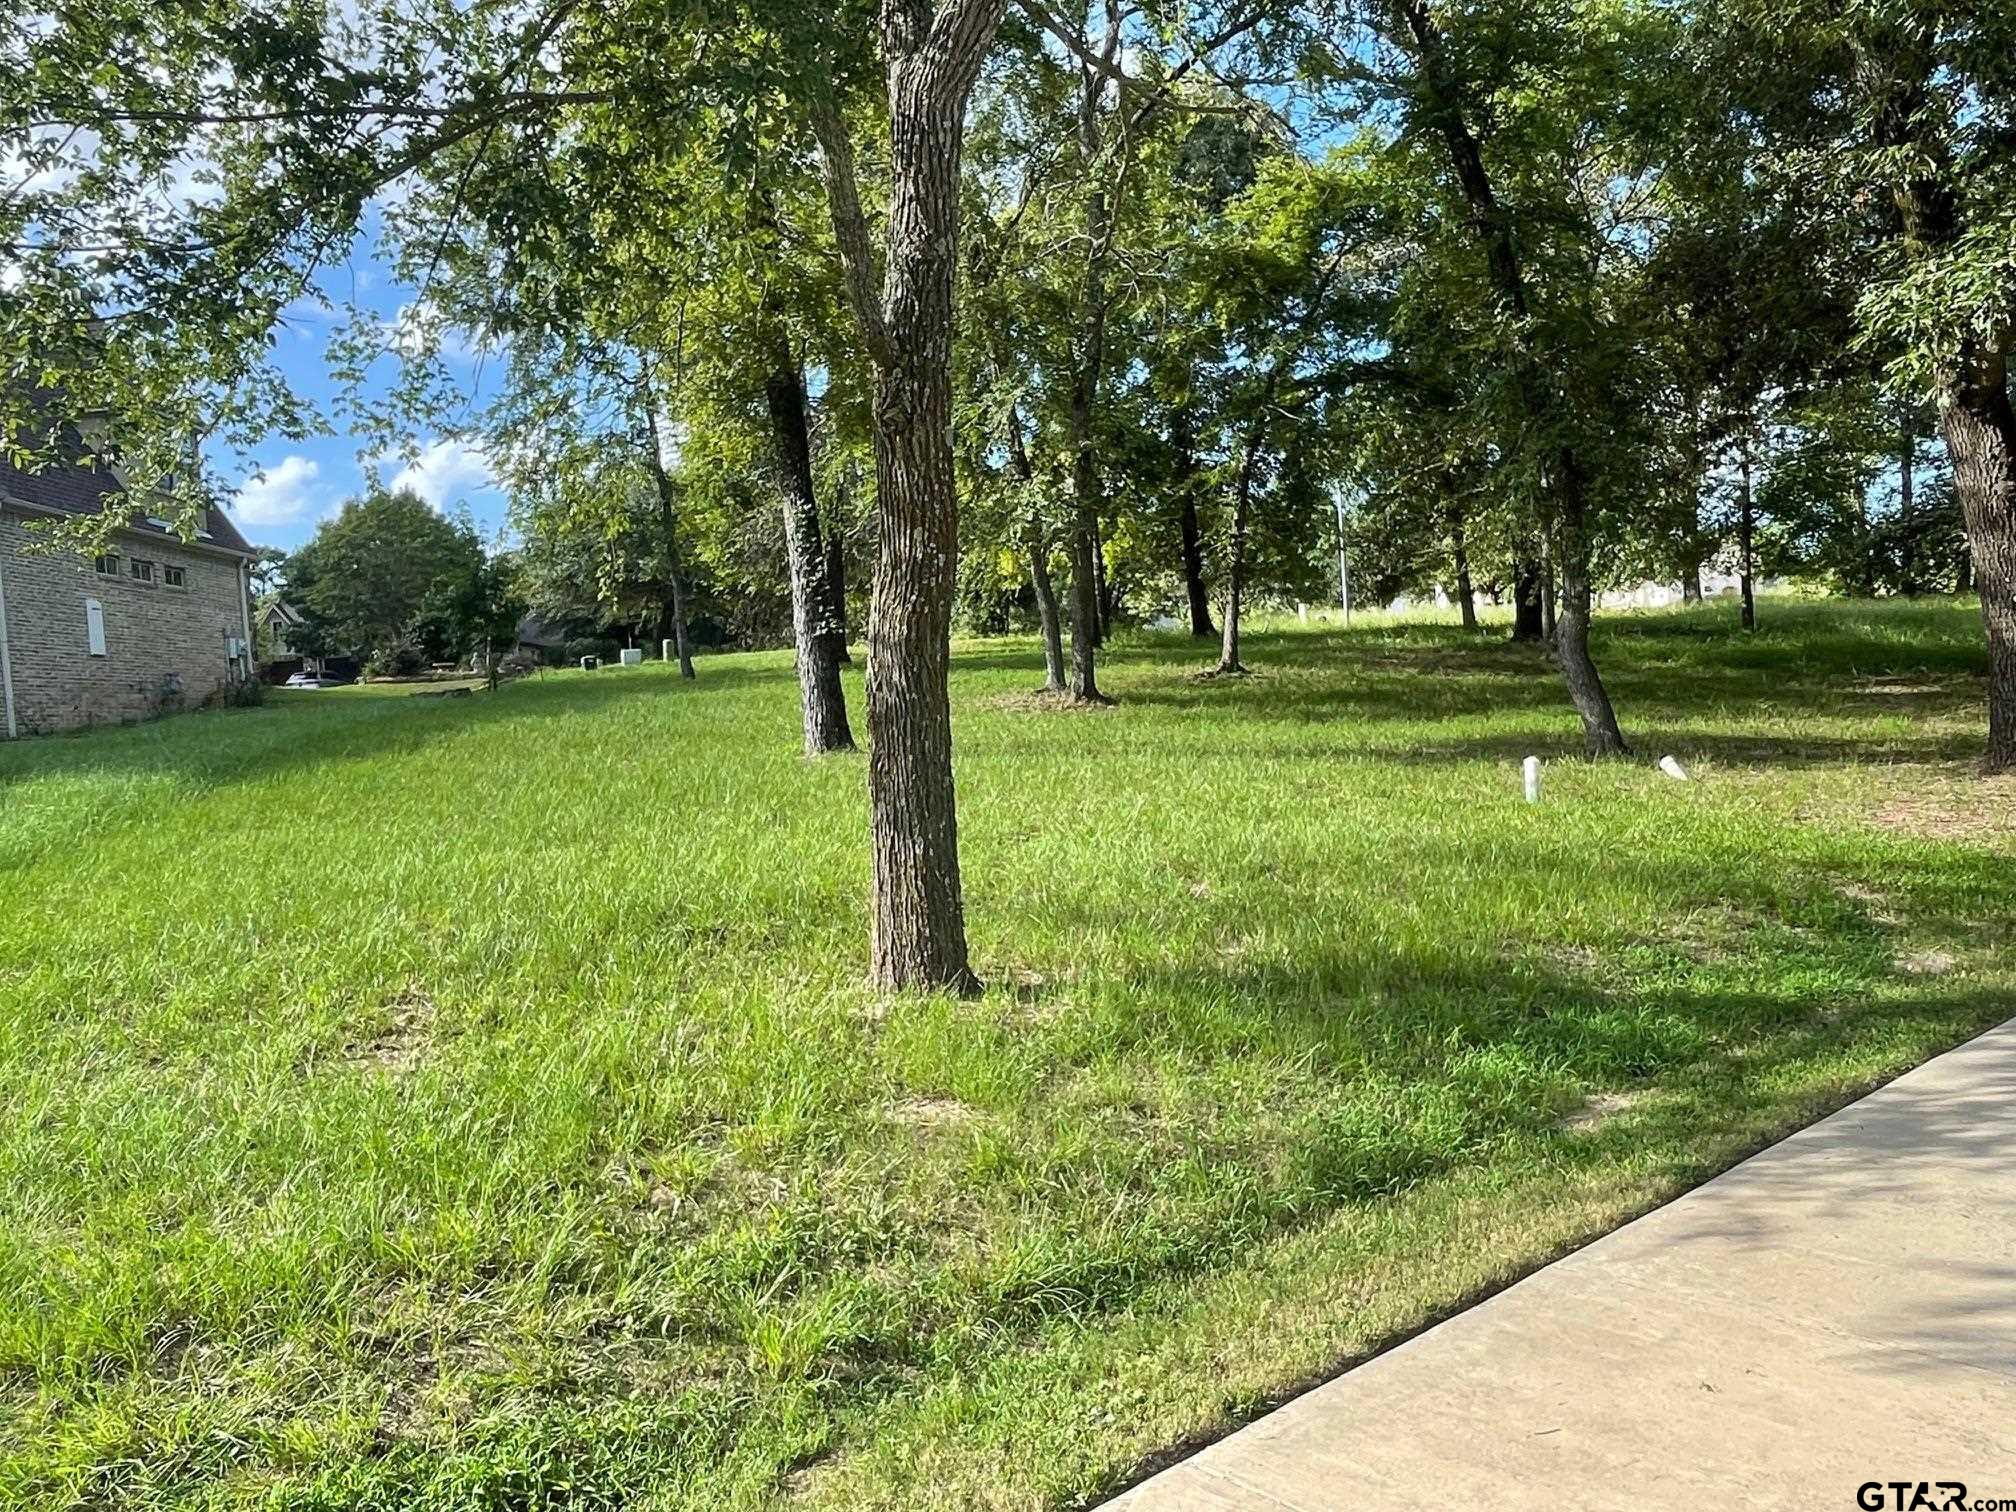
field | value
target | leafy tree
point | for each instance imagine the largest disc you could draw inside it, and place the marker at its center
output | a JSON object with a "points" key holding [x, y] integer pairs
{"points": [[306, 116], [389, 572], [269, 571], [1934, 89]]}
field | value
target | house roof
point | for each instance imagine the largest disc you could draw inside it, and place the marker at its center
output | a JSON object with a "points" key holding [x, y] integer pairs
{"points": [[73, 488], [283, 611]]}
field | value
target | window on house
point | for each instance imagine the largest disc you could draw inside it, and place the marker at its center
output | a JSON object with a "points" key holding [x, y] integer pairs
{"points": [[143, 572], [107, 565], [94, 626], [175, 577]]}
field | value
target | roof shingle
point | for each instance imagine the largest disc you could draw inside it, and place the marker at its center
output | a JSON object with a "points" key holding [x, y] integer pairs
{"points": [[76, 489]]}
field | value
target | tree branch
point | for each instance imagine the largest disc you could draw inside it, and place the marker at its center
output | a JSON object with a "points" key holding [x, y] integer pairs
{"points": [[850, 225]]}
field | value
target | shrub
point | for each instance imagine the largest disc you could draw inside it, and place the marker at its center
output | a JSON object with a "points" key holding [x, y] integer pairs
{"points": [[403, 660], [245, 693], [591, 645]]}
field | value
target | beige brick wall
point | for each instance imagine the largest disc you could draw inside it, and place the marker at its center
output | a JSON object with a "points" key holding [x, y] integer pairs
{"points": [[153, 633]]}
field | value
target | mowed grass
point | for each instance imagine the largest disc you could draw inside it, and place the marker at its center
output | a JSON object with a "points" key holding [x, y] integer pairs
{"points": [[475, 1103]]}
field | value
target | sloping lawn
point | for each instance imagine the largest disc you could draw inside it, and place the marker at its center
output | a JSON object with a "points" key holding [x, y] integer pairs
{"points": [[474, 1103]]}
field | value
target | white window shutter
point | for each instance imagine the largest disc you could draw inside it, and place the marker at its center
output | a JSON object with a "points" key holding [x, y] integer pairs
{"points": [[94, 625]]}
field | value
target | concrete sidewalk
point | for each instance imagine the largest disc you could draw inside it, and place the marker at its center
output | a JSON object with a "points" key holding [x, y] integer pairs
{"points": [[1838, 1309]]}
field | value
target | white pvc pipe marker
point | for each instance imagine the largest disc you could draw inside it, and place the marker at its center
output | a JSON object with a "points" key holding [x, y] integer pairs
{"points": [[1531, 766], [1672, 769]]}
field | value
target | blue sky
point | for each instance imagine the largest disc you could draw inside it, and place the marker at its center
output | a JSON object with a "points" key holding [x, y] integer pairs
{"points": [[305, 482]]}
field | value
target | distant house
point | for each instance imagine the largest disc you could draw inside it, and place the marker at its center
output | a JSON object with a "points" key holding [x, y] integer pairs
{"points": [[277, 623], [541, 638], [152, 625], [280, 654]]}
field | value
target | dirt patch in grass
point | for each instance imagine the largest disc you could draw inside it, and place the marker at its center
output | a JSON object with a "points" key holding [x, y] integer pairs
{"points": [[932, 1112], [1946, 817], [1900, 687], [1926, 963], [1878, 905], [400, 1045], [1574, 960], [1713, 933], [1599, 1109], [1955, 802], [1044, 701]]}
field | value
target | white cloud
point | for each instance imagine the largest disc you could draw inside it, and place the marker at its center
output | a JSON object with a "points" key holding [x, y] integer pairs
{"points": [[277, 495], [443, 470]]}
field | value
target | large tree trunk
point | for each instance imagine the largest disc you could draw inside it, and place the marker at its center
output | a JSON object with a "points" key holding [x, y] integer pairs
{"points": [[932, 57], [836, 585], [1979, 428], [1600, 735], [1975, 416], [1055, 677], [1539, 393], [1690, 582], [1193, 571], [1746, 529], [1459, 550], [1528, 623], [820, 640], [1037, 544], [1193, 532], [1235, 566]]}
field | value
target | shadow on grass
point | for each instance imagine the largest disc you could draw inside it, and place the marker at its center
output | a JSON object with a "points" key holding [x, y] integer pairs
{"points": [[216, 748], [1405, 674], [1726, 1109], [1464, 1049]]}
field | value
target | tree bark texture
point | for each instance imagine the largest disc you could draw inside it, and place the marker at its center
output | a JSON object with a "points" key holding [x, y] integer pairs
{"points": [[1193, 532], [1459, 550], [1527, 621], [1037, 543], [1746, 529], [820, 640], [1235, 563], [1972, 385], [836, 584], [1979, 429], [932, 56]]}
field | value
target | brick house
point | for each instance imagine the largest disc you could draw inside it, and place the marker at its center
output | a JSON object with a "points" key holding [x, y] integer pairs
{"points": [[154, 625]]}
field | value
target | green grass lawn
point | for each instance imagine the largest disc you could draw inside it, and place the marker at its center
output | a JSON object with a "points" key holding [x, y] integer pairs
{"points": [[475, 1103]]}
